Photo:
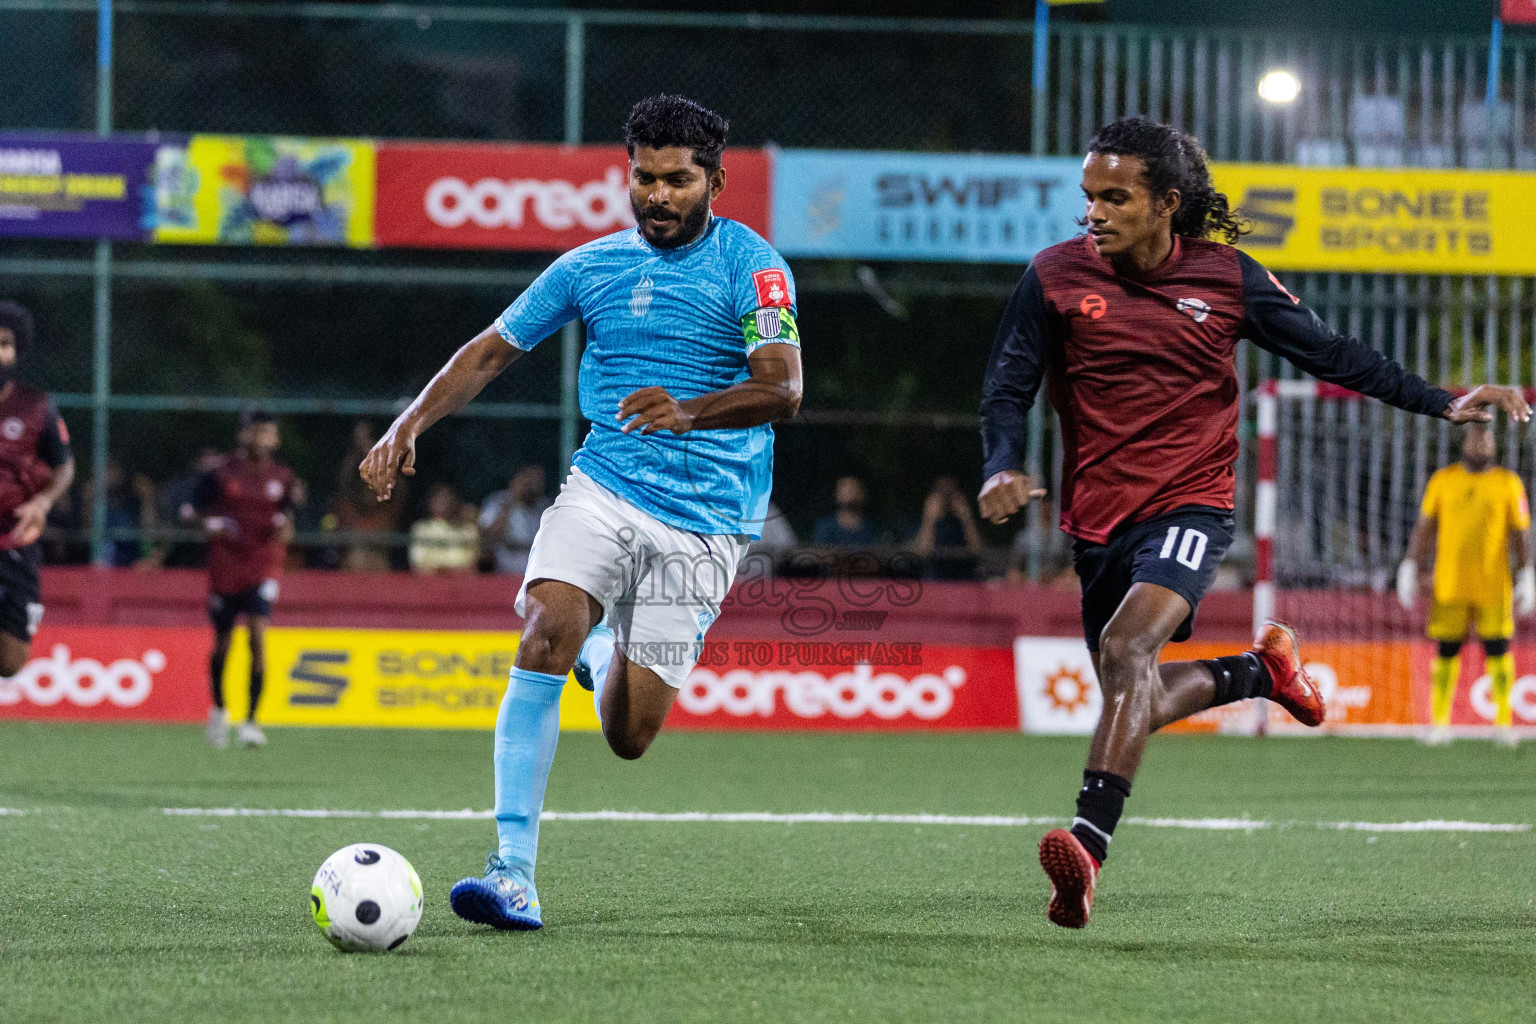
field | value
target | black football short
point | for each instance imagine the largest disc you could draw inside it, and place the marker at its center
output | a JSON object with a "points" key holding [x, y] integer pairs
{"points": [[224, 609], [21, 595], [1180, 550]]}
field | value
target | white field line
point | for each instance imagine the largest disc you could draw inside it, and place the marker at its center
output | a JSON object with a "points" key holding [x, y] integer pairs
{"points": [[11, 810], [832, 818]]}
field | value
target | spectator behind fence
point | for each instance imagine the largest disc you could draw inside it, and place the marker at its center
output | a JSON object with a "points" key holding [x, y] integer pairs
{"points": [[848, 527], [510, 518], [130, 506], [358, 511], [175, 509], [443, 542], [948, 525]]}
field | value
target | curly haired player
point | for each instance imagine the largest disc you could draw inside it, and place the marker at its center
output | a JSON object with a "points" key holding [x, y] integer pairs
{"points": [[36, 469], [1136, 327]]}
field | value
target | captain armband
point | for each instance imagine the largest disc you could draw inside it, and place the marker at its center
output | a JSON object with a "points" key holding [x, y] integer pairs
{"points": [[771, 325]]}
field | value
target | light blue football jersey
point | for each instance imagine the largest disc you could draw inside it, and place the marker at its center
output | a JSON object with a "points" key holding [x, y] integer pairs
{"points": [[684, 319]]}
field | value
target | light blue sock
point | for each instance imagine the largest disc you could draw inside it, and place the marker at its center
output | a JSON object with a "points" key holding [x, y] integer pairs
{"points": [[597, 652], [527, 729]]}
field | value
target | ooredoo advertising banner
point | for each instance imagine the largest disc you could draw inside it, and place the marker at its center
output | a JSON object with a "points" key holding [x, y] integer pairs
{"points": [[543, 198], [922, 206], [265, 190], [61, 186], [112, 673], [812, 685]]}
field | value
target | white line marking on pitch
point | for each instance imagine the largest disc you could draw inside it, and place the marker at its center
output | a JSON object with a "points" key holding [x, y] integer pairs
{"points": [[832, 818]]}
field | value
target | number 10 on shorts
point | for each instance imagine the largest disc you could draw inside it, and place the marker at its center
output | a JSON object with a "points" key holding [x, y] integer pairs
{"points": [[1189, 551]]}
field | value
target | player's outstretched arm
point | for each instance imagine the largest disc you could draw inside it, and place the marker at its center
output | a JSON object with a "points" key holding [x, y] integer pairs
{"points": [[1276, 321], [1414, 572], [460, 380], [773, 392]]}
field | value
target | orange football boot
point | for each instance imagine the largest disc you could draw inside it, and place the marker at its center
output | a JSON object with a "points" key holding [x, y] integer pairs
{"points": [[1292, 688], [1073, 872]]}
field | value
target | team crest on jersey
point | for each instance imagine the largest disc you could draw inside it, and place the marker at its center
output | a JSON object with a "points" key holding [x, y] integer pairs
{"points": [[640, 298], [12, 429], [769, 324], [772, 288], [1196, 309]]}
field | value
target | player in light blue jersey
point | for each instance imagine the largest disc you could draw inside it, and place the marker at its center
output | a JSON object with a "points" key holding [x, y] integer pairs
{"points": [[692, 350]]}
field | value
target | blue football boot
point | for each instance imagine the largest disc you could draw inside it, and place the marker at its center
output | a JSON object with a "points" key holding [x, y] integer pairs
{"points": [[582, 670], [503, 898]]}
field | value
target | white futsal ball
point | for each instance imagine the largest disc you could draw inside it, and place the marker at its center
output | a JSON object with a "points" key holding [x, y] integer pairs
{"points": [[366, 898]]}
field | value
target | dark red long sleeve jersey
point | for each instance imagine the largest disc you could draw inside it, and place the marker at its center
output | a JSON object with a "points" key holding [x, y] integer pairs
{"points": [[252, 498], [1142, 375], [33, 443]]}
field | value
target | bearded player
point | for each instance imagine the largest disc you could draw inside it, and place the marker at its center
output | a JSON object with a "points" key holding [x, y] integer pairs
{"points": [[1136, 327], [692, 351], [247, 507], [1475, 522], [36, 469]]}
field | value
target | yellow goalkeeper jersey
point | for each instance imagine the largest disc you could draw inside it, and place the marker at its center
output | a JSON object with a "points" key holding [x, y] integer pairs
{"points": [[1474, 513]]}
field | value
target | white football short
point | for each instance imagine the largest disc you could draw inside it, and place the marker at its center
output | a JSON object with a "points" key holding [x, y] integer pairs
{"points": [[660, 586]]}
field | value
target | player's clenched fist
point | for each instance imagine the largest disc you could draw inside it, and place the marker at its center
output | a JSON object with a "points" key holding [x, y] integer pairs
{"points": [[1005, 493], [395, 454]]}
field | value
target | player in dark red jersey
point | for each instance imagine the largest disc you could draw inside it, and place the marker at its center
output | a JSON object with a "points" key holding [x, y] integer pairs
{"points": [[1135, 327], [36, 468], [246, 504]]}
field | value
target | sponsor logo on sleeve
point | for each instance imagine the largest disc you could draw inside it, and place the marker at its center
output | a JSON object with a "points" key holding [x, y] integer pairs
{"points": [[772, 288]]}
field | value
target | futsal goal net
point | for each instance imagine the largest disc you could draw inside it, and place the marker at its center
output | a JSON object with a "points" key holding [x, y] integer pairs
{"points": [[1339, 484]]}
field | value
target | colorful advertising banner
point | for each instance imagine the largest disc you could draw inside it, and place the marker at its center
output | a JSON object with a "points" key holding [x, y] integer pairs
{"points": [[265, 190], [1362, 683], [112, 673], [415, 679], [1518, 12], [922, 206], [63, 186], [870, 686], [543, 198], [1377, 221]]}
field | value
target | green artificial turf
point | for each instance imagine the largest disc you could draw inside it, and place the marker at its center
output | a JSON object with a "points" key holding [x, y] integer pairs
{"points": [[110, 910]]}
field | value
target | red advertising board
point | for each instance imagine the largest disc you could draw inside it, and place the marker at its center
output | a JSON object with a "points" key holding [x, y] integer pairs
{"points": [[112, 673], [542, 198], [1519, 12], [806, 685]]}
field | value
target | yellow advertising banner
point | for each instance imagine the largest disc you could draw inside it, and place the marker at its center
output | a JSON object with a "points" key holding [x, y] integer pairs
{"points": [[439, 679], [265, 190], [1392, 221]]}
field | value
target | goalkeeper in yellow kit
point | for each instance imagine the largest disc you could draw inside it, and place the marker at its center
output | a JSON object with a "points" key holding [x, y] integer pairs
{"points": [[1476, 519]]}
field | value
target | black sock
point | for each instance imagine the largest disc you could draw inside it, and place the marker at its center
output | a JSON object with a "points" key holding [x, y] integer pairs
{"points": [[257, 678], [1239, 677], [1099, 804], [216, 677]]}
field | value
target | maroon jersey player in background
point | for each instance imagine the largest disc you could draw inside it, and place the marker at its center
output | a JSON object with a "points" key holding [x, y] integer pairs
{"points": [[1136, 328], [36, 468], [246, 503]]}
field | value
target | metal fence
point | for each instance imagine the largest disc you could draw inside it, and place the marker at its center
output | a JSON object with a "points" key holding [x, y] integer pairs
{"points": [[563, 75]]}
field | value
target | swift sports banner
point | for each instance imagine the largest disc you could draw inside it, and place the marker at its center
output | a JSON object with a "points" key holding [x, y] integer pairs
{"points": [[62, 186], [923, 206], [541, 198], [1377, 221], [265, 190]]}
